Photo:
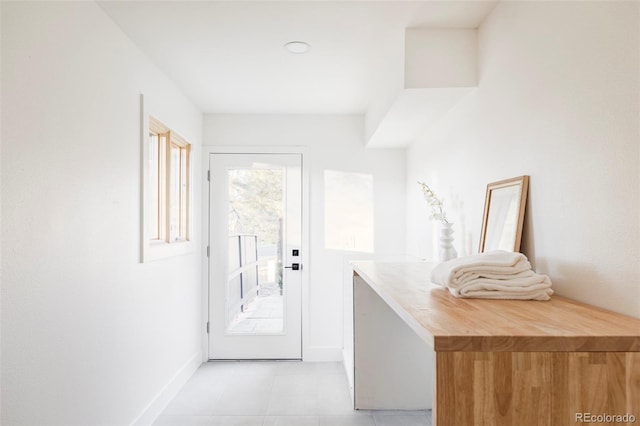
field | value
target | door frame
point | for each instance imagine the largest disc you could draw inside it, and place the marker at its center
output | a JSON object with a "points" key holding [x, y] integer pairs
{"points": [[207, 150]]}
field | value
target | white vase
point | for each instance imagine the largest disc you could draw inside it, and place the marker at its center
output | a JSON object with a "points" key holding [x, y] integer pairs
{"points": [[446, 251]]}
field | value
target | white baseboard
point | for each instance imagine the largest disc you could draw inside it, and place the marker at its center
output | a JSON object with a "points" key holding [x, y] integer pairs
{"points": [[322, 354], [166, 394]]}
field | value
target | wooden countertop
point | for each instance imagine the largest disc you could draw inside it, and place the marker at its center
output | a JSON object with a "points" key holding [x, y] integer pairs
{"points": [[448, 323]]}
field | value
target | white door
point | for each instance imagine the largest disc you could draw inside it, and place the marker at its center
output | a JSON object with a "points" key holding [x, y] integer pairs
{"points": [[255, 258]]}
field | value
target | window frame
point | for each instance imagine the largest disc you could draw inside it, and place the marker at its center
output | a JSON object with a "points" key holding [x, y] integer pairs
{"points": [[161, 131], [184, 209], [158, 239]]}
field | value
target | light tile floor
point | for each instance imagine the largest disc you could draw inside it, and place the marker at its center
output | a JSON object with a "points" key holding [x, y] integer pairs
{"points": [[263, 315], [275, 393]]}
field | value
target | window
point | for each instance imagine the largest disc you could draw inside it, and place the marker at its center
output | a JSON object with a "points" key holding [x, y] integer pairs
{"points": [[169, 185], [348, 211]]}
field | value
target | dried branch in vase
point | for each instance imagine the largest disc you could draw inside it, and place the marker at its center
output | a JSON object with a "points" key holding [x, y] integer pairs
{"points": [[437, 210]]}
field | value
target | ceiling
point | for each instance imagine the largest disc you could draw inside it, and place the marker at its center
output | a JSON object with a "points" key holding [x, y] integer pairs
{"points": [[228, 56]]}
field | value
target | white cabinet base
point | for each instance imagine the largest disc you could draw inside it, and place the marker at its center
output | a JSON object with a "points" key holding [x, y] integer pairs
{"points": [[393, 367]]}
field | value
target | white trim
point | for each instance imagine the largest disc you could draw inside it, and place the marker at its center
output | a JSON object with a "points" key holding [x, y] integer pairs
{"points": [[306, 250], [220, 149], [161, 250], [207, 150], [151, 412], [144, 172]]}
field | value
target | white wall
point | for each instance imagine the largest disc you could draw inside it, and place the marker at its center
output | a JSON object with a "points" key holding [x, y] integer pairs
{"points": [[334, 143], [89, 335], [558, 99], [440, 57], [0, 230]]}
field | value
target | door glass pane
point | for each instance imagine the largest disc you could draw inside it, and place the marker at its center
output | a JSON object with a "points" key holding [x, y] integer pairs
{"points": [[255, 280]]}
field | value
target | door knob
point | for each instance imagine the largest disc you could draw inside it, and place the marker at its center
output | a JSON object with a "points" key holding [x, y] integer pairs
{"points": [[294, 267]]}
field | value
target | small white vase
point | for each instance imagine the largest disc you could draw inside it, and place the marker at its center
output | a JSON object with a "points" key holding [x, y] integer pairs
{"points": [[446, 251]]}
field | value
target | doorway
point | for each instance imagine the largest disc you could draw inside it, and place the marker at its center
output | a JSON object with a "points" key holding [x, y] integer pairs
{"points": [[255, 266]]}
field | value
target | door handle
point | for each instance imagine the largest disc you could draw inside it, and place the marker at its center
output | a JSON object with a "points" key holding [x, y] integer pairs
{"points": [[294, 267]]}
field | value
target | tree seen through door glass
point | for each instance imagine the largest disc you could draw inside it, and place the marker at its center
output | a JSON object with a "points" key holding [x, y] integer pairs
{"points": [[255, 287]]}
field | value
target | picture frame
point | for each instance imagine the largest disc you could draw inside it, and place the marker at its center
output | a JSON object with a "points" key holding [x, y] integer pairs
{"points": [[503, 218]]}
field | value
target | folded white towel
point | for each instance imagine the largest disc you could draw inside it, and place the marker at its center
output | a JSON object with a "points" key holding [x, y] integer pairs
{"points": [[494, 264], [492, 275], [504, 289]]}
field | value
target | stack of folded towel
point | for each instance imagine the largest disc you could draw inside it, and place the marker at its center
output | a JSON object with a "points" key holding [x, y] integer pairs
{"points": [[493, 275]]}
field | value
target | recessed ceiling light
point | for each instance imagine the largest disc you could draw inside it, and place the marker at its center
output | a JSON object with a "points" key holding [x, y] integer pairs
{"points": [[297, 47]]}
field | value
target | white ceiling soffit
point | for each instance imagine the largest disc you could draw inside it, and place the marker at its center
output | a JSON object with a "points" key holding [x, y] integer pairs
{"points": [[229, 56], [412, 113], [440, 68]]}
